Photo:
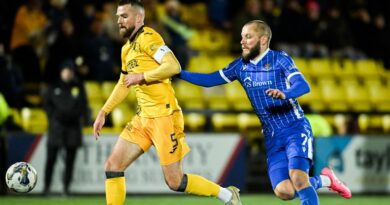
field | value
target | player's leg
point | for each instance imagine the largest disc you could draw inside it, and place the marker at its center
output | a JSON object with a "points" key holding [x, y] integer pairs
{"points": [[123, 154], [282, 185], [198, 185], [299, 150], [130, 145], [298, 171], [169, 140], [279, 176]]}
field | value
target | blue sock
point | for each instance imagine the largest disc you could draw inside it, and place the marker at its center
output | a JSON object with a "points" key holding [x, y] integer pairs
{"points": [[316, 182], [308, 196]]}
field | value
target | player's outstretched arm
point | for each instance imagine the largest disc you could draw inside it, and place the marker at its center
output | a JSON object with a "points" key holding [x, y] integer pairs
{"points": [[202, 79]]}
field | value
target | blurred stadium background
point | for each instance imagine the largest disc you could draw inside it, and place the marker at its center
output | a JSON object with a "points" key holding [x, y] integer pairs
{"points": [[341, 47]]}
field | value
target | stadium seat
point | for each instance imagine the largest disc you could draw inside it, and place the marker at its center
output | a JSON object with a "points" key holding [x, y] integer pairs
{"points": [[189, 96], [248, 121], [372, 82], [326, 80], [358, 98], [237, 97], [367, 68], [120, 116], [320, 67], [380, 98], [216, 98], [334, 97], [386, 123], [313, 99], [349, 80], [371, 123], [194, 121], [93, 89], [107, 88], [224, 122], [201, 63], [34, 120], [198, 20], [301, 63], [221, 61], [344, 68], [95, 107]]}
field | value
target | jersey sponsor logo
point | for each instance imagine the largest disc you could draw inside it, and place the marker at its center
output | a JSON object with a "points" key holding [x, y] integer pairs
{"points": [[131, 64], [252, 84]]}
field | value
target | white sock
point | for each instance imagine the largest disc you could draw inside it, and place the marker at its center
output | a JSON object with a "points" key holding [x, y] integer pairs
{"points": [[325, 181], [225, 195]]}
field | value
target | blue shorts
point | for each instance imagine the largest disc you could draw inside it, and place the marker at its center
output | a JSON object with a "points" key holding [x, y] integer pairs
{"points": [[290, 148]]}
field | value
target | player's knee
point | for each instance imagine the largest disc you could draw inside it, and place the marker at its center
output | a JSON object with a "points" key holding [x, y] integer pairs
{"points": [[300, 181], [177, 183], [173, 183], [112, 165], [285, 193]]}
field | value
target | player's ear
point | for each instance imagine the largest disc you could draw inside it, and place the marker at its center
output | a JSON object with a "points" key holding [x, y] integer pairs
{"points": [[139, 18], [263, 39]]}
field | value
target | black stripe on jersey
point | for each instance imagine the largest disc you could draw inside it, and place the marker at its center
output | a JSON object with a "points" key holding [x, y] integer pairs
{"points": [[140, 30], [124, 72]]}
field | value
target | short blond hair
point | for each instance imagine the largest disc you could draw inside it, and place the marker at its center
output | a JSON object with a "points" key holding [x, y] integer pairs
{"points": [[262, 28]]}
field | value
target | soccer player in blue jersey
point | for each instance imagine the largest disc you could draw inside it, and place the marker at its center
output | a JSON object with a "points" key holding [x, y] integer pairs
{"points": [[272, 83]]}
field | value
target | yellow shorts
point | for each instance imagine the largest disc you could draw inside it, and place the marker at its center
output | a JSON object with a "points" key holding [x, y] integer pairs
{"points": [[165, 133]]}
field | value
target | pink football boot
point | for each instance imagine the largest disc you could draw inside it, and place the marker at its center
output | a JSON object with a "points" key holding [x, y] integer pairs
{"points": [[336, 185]]}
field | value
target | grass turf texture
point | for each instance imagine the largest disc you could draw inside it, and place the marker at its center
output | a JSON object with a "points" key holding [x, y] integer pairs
{"points": [[185, 200]]}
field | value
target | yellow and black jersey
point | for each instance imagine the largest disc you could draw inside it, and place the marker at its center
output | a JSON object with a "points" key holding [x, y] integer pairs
{"points": [[140, 54]]}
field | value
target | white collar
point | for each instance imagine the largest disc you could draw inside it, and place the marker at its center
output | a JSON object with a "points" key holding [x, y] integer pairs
{"points": [[256, 60]]}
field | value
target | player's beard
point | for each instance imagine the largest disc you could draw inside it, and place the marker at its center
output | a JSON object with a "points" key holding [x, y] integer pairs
{"points": [[253, 52], [127, 32]]}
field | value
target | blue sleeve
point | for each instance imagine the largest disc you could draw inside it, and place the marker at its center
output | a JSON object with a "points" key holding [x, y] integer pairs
{"points": [[299, 87], [202, 79], [287, 64]]}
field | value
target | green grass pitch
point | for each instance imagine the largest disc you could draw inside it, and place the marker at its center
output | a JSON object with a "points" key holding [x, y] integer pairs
{"points": [[185, 200]]}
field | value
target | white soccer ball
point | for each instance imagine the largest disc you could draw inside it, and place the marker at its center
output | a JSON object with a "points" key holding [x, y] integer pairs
{"points": [[21, 177]]}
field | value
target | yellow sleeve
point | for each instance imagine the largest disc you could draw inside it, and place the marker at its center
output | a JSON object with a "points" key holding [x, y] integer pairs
{"points": [[117, 95], [153, 44], [169, 67]]}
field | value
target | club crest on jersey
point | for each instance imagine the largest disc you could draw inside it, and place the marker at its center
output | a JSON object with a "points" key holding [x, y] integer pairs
{"points": [[131, 64], [267, 66]]}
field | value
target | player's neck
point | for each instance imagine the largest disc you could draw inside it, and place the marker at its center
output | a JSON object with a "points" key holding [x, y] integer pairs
{"points": [[262, 53], [137, 28]]}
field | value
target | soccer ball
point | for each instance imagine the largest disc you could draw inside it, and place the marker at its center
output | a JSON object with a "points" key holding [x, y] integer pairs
{"points": [[21, 177]]}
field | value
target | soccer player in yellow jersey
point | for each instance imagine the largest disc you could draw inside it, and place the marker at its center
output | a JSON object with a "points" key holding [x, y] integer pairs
{"points": [[148, 64]]}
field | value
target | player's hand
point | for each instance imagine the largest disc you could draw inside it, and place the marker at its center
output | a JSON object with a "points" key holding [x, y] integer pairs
{"points": [[275, 93], [133, 79], [98, 124]]}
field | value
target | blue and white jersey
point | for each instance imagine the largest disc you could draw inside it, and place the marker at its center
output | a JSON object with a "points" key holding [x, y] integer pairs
{"points": [[272, 70]]}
